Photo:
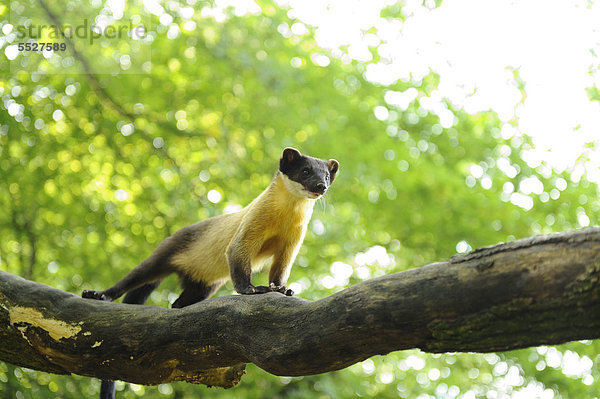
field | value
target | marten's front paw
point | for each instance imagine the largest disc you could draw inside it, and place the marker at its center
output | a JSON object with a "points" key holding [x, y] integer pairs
{"points": [[251, 289], [91, 294], [261, 289], [282, 289]]}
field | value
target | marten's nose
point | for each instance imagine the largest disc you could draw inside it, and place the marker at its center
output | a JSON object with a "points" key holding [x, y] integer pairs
{"points": [[321, 187]]}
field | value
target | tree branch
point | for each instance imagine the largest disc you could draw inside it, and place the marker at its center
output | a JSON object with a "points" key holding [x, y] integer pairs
{"points": [[539, 290]]}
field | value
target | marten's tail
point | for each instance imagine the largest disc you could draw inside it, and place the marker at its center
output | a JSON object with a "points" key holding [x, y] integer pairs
{"points": [[136, 296]]}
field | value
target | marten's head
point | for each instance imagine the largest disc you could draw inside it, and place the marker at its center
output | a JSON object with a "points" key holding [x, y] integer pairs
{"points": [[306, 176]]}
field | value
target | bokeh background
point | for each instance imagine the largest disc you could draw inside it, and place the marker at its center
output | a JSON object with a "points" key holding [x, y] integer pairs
{"points": [[448, 137]]}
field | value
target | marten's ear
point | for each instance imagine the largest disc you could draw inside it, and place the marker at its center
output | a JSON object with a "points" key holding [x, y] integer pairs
{"points": [[289, 155], [333, 168]]}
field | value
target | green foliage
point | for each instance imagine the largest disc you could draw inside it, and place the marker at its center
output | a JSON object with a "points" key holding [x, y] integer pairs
{"points": [[91, 180]]}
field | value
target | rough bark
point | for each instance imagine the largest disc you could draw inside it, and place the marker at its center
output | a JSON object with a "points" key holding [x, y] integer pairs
{"points": [[539, 290]]}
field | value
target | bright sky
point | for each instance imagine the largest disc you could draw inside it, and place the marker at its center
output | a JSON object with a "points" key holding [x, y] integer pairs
{"points": [[475, 46]]}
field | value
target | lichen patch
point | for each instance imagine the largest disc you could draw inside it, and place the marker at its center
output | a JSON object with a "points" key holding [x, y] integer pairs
{"points": [[57, 329]]}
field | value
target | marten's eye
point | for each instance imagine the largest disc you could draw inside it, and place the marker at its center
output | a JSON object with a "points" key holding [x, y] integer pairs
{"points": [[306, 171]]}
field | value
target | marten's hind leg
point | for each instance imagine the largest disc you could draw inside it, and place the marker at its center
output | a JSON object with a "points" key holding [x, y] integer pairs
{"points": [[139, 295], [150, 271], [194, 291]]}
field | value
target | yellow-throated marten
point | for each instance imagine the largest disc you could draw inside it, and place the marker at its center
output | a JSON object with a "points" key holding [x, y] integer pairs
{"points": [[206, 254]]}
